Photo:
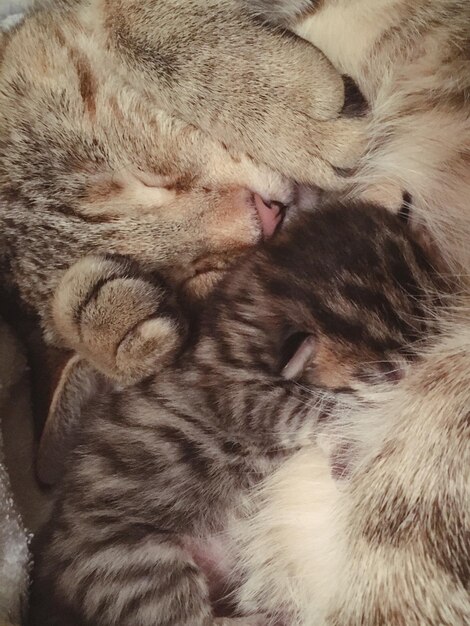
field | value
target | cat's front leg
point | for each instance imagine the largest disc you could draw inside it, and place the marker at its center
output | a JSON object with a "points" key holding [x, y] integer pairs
{"points": [[124, 322], [246, 84]]}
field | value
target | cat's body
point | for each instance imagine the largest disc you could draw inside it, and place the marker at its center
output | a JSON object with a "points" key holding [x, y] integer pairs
{"points": [[392, 545], [290, 342]]}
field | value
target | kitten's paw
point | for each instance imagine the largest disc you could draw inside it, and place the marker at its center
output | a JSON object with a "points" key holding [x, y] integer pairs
{"points": [[122, 321]]}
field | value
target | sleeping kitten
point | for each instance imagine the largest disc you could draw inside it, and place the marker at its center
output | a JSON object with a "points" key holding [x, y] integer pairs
{"points": [[290, 342]]}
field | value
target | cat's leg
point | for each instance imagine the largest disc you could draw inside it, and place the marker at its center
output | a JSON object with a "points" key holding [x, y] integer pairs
{"points": [[124, 322], [258, 90]]}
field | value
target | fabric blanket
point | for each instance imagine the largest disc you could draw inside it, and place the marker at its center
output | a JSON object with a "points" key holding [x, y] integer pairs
{"points": [[14, 555], [11, 12], [21, 503]]}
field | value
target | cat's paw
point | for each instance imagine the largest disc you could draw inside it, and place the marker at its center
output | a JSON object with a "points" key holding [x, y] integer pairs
{"points": [[322, 124], [386, 193], [122, 321], [336, 148]]}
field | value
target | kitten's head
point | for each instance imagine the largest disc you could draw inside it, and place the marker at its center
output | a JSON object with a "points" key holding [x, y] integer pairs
{"points": [[342, 296]]}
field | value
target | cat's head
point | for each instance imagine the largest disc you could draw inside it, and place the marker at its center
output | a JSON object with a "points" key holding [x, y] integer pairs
{"points": [[344, 295], [98, 166]]}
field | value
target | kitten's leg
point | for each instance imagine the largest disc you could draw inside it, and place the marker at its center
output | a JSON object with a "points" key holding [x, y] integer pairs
{"points": [[123, 321], [131, 579], [117, 550], [260, 91], [136, 578]]}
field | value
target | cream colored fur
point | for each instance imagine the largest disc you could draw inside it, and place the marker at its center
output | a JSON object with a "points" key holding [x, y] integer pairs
{"points": [[304, 545], [391, 545], [409, 61]]}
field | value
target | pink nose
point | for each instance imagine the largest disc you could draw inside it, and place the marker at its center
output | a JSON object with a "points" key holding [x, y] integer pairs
{"points": [[270, 215]]}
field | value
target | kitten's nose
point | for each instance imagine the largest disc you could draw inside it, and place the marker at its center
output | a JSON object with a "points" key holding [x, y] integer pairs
{"points": [[270, 215]]}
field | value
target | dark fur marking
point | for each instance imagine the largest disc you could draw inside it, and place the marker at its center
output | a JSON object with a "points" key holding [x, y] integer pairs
{"points": [[367, 298], [88, 84], [141, 51], [190, 451], [405, 210], [92, 295], [376, 373], [355, 104]]}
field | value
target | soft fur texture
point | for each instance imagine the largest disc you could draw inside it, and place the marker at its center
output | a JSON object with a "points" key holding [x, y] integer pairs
{"points": [[162, 190], [410, 61], [349, 554], [409, 565], [142, 523], [391, 545]]}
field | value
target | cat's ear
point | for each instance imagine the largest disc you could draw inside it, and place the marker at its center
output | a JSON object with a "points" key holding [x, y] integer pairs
{"points": [[317, 360], [301, 349], [323, 362], [77, 385]]}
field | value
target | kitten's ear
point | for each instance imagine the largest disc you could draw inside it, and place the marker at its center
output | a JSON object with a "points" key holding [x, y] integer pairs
{"points": [[77, 385], [318, 361], [302, 349]]}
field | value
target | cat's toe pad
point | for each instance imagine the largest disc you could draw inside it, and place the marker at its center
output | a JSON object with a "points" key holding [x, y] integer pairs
{"points": [[124, 322]]}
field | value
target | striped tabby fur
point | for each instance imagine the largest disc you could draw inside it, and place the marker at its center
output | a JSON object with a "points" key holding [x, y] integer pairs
{"points": [[163, 469]]}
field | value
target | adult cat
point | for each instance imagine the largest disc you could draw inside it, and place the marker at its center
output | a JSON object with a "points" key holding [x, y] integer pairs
{"points": [[93, 157]]}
